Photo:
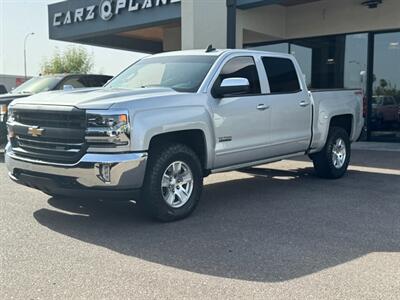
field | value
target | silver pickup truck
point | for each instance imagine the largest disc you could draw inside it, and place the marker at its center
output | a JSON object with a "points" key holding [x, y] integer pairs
{"points": [[156, 130]]}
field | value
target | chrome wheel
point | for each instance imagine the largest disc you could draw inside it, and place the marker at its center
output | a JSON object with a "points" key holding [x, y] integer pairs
{"points": [[339, 153], [177, 184]]}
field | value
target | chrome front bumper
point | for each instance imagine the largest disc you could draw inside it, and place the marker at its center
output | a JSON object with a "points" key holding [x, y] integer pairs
{"points": [[126, 170]]}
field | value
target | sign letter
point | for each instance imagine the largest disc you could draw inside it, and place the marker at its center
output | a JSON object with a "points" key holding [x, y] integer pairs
{"points": [[78, 15], [147, 4], [56, 19], [67, 19], [133, 5], [161, 2], [120, 4], [90, 12]]}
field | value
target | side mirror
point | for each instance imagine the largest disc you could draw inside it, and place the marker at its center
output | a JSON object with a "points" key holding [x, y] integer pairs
{"points": [[231, 86], [68, 87]]}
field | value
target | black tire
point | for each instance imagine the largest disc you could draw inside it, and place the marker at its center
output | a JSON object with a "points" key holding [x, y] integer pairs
{"points": [[323, 160], [152, 200]]}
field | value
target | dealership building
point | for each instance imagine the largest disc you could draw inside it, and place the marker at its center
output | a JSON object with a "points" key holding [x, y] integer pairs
{"points": [[338, 43]]}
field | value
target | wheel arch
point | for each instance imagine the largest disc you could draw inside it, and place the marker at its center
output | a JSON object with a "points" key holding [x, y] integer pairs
{"points": [[344, 121], [193, 138]]}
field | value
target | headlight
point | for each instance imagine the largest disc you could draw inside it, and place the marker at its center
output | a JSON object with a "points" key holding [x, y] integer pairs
{"points": [[108, 130], [10, 115], [100, 121]]}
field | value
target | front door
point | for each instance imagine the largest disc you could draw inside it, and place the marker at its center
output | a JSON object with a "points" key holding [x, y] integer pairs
{"points": [[240, 121]]}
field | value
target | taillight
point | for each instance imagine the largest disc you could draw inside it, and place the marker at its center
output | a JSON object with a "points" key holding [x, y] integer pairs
{"points": [[365, 104], [365, 107]]}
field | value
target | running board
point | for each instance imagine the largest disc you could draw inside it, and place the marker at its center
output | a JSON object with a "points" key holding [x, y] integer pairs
{"points": [[255, 163]]}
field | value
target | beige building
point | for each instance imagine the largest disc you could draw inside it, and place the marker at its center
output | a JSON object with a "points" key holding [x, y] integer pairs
{"points": [[338, 43]]}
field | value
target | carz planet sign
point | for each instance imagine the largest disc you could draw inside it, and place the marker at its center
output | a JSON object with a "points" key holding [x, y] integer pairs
{"points": [[106, 10]]}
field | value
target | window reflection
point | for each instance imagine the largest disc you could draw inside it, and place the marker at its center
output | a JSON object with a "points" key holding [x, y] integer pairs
{"points": [[385, 114], [280, 48], [355, 61], [304, 58]]}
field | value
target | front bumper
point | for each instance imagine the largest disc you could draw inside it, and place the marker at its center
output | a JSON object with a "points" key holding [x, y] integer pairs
{"points": [[126, 173]]}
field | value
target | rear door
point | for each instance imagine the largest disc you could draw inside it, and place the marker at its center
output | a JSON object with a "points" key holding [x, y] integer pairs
{"points": [[290, 104]]}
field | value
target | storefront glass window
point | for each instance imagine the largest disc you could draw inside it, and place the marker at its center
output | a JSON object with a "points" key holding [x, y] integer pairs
{"points": [[385, 114], [355, 61], [304, 58], [280, 48]]}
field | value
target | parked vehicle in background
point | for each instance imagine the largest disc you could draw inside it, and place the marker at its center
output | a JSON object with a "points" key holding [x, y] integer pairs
{"points": [[158, 128], [43, 84], [385, 110], [12, 81], [3, 89]]}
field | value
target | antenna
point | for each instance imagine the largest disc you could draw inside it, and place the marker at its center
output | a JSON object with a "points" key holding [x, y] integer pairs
{"points": [[210, 49]]}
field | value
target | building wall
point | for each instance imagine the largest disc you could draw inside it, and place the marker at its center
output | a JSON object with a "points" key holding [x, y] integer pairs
{"points": [[172, 39], [268, 22], [203, 23], [340, 16], [314, 19]]}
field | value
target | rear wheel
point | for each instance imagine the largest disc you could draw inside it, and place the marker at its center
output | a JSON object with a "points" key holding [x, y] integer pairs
{"points": [[333, 160], [173, 183]]}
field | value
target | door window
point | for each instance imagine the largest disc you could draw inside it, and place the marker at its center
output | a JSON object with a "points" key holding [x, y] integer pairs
{"points": [[243, 67], [282, 75]]}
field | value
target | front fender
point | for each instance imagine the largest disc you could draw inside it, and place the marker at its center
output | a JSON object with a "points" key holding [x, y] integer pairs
{"points": [[153, 122]]}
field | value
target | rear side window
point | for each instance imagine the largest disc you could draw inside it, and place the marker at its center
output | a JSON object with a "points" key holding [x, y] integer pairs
{"points": [[282, 75], [244, 67], [99, 80]]}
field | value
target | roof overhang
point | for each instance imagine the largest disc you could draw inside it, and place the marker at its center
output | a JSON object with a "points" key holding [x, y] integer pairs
{"points": [[99, 22], [246, 4]]}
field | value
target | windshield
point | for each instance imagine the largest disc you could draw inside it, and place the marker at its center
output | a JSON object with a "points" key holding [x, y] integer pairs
{"points": [[37, 85], [181, 73]]}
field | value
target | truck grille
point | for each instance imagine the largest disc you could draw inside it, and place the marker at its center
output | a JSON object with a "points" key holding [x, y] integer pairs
{"points": [[48, 119], [61, 138]]}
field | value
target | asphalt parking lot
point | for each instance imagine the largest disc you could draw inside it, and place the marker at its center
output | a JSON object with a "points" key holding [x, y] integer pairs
{"points": [[273, 232]]}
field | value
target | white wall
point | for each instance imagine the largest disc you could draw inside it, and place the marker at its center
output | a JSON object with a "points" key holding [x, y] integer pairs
{"points": [[314, 19], [204, 22], [340, 16], [269, 21]]}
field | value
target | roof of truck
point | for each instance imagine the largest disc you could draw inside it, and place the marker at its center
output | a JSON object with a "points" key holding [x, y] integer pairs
{"points": [[218, 52]]}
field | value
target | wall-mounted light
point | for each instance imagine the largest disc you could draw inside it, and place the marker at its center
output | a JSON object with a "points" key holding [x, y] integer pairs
{"points": [[372, 3], [394, 45]]}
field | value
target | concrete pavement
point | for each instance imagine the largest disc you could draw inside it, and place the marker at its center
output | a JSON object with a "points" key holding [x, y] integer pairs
{"points": [[272, 232]]}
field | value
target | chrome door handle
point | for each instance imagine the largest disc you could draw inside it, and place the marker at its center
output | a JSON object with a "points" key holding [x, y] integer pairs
{"points": [[262, 107], [304, 103]]}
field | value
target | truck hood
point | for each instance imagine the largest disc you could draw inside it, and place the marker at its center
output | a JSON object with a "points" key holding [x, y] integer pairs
{"points": [[93, 98]]}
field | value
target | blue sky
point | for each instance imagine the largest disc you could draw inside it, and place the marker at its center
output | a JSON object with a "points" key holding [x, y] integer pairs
{"points": [[19, 17]]}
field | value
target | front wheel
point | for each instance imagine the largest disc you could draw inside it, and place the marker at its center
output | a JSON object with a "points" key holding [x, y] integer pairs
{"points": [[173, 183], [333, 160]]}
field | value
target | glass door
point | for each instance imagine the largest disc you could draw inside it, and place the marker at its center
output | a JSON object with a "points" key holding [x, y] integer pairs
{"points": [[385, 102]]}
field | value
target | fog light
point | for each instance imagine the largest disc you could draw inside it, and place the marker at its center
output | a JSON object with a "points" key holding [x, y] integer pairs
{"points": [[105, 172]]}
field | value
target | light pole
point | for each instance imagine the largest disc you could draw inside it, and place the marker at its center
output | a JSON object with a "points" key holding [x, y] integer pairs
{"points": [[26, 37]]}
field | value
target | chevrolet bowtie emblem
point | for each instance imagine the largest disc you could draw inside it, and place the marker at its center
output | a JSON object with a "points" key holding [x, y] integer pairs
{"points": [[35, 131]]}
